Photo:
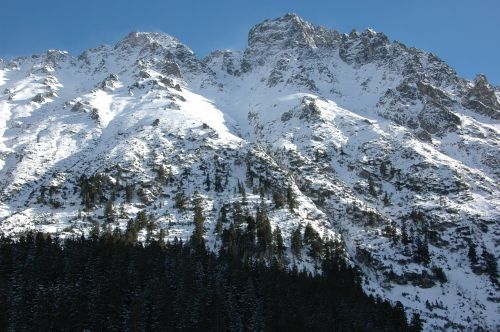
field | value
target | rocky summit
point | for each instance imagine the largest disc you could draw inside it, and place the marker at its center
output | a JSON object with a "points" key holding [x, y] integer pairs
{"points": [[367, 142]]}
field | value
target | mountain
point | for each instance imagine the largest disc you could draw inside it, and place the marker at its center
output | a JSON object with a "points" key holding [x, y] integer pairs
{"points": [[378, 146]]}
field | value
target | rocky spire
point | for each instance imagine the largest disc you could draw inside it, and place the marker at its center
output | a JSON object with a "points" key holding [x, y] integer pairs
{"points": [[482, 98]]}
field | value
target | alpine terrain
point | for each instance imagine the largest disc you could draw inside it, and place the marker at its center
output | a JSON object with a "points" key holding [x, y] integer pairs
{"points": [[316, 135]]}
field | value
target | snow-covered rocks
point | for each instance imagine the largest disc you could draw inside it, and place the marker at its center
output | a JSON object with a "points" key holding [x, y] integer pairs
{"points": [[381, 145]]}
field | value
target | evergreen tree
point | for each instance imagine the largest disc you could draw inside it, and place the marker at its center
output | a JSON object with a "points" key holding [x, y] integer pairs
{"points": [[129, 192], [131, 232], [180, 201], [162, 174], [123, 213], [218, 227], [95, 232], [290, 198], [416, 324], [161, 237], [141, 220], [218, 184], [404, 233], [313, 240], [472, 254], [207, 183], [199, 219], [422, 252], [386, 199], [238, 217], [383, 168], [491, 266], [371, 187], [264, 230], [279, 243], [109, 211], [296, 244], [277, 200]]}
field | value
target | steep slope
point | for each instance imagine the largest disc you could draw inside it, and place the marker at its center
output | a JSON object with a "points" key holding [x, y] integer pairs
{"points": [[375, 144]]}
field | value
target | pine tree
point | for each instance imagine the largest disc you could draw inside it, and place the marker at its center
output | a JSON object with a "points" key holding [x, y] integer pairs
{"points": [[123, 212], [95, 232], [264, 230], [383, 168], [422, 252], [218, 227], [207, 182], [238, 217], [279, 243], [314, 241], [472, 254], [416, 324], [129, 192], [371, 187], [250, 232], [223, 214], [290, 198], [199, 219], [180, 201], [309, 234], [404, 233], [131, 232], [249, 176], [141, 220], [161, 237], [386, 199], [162, 174], [296, 244], [491, 266], [277, 200], [218, 184], [439, 274], [109, 211]]}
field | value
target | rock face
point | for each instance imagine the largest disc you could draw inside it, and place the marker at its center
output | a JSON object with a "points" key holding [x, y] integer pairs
{"points": [[375, 144], [481, 98]]}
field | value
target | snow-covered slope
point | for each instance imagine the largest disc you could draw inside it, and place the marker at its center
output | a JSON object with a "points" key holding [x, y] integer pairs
{"points": [[383, 146]]}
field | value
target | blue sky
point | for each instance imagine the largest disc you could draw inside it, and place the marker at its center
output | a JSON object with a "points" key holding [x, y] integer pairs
{"points": [[465, 33]]}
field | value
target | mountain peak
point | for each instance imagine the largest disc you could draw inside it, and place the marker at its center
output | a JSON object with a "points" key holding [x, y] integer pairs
{"points": [[370, 141], [140, 39], [286, 31]]}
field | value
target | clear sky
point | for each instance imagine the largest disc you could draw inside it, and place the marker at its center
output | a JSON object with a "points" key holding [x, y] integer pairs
{"points": [[465, 33]]}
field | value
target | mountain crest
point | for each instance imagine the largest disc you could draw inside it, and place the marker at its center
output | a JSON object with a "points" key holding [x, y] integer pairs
{"points": [[309, 135], [138, 39], [287, 31]]}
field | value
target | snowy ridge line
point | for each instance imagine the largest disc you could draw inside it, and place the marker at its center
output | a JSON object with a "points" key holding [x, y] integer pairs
{"points": [[369, 142]]}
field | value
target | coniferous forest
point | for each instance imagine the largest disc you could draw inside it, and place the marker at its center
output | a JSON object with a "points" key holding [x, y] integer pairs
{"points": [[106, 282]]}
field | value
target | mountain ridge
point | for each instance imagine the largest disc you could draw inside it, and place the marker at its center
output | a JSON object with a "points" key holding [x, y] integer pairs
{"points": [[381, 146]]}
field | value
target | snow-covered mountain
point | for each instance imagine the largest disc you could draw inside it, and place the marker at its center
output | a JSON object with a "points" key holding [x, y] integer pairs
{"points": [[382, 147]]}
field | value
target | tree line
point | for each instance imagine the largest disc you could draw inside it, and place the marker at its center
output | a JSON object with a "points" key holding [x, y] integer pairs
{"points": [[105, 282]]}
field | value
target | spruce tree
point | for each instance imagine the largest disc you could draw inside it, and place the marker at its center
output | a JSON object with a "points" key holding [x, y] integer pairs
{"points": [[296, 244], [491, 266], [472, 254], [207, 182], [109, 211], [290, 199], [129, 192], [264, 231], [277, 200], [199, 219], [279, 243], [416, 324]]}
